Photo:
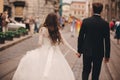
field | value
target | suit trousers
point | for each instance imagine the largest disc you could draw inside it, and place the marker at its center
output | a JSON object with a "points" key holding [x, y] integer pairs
{"points": [[91, 63]]}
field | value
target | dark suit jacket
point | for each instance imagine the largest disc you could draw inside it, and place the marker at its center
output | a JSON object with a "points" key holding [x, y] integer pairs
{"points": [[94, 37]]}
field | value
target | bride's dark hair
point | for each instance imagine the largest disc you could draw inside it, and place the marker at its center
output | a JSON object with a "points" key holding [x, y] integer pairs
{"points": [[51, 23]]}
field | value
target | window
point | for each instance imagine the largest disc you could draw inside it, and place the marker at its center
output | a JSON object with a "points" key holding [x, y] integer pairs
{"points": [[78, 12], [83, 6], [74, 12], [82, 12]]}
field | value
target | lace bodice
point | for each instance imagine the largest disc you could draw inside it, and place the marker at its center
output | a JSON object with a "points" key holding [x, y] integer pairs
{"points": [[44, 38]]}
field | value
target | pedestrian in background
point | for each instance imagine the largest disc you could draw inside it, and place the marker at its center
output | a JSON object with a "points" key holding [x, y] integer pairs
{"points": [[117, 23], [112, 25], [73, 26], [32, 25], [27, 24], [0, 22], [78, 25], [117, 32], [70, 19], [94, 43], [5, 21], [37, 22]]}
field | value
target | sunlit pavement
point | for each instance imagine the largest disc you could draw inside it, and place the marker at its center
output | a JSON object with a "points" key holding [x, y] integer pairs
{"points": [[9, 58]]}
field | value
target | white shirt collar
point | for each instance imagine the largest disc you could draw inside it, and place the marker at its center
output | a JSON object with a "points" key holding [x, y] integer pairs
{"points": [[96, 14]]}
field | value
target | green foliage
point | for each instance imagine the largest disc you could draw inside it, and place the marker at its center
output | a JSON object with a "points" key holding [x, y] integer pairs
{"points": [[9, 34], [2, 35], [16, 34], [2, 38], [22, 31]]}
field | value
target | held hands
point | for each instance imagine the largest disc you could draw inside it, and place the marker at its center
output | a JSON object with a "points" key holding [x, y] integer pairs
{"points": [[78, 55], [106, 60]]}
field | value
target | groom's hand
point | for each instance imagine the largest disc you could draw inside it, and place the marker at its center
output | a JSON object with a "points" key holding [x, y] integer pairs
{"points": [[106, 60], [78, 55]]}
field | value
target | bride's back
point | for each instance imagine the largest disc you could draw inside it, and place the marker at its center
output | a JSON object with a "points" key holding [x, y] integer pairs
{"points": [[44, 38]]}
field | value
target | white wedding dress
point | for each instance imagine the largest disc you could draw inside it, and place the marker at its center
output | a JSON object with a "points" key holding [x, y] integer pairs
{"points": [[44, 63]]}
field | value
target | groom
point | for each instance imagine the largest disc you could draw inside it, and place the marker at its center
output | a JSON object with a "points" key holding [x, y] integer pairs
{"points": [[94, 43]]}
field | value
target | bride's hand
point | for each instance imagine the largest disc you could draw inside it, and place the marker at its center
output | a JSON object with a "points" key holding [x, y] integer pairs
{"points": [[78, 55]]}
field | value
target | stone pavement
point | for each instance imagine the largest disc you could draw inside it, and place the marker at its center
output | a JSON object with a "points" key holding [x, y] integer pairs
{"points": [[14, 41], [70, 56], [109, 71], [9, 58]]}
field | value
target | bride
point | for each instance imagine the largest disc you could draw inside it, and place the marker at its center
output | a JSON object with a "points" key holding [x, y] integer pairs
{"points": [[46, 62]]}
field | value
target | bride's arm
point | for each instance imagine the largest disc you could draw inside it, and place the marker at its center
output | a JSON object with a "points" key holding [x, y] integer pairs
{"points": [[41, 34], [67, 44], [40, 37], [40, 40]]}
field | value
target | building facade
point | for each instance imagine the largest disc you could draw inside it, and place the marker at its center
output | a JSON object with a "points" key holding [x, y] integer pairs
{"points": [[114, 9], [20, 9], [66, 9], [111, 9], [1, 5], [78, 9]]}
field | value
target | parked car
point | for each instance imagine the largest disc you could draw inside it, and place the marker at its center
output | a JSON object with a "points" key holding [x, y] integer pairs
{"points": [[15, 25]]}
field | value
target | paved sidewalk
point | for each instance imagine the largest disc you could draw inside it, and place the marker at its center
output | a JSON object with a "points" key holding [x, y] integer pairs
{"points": [[14, 41]]}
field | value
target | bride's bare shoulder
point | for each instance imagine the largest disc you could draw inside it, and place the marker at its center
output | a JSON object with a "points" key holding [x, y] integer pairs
{"points": [[42, 28]]}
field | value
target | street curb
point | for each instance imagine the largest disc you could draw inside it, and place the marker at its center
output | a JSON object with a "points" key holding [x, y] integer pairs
{"points": [[6, 45], [114, 42]]}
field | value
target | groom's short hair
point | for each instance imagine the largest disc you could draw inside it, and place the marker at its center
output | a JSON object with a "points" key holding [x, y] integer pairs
{"points": [[97, 7]]}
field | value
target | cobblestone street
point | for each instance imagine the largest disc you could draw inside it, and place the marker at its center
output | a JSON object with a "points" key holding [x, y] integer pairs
{"points": [[21, 20], [10, 57]]}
